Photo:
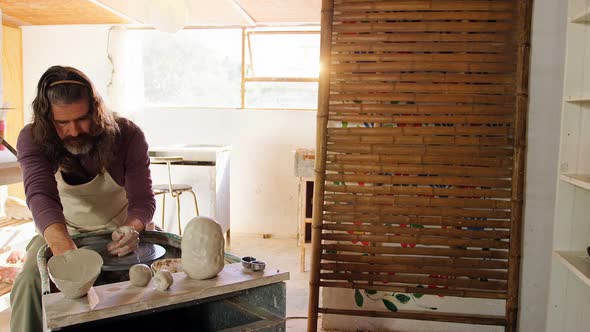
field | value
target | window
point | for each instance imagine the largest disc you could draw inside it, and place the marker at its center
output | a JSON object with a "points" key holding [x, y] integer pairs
{"points": [[218, 68], [282, 69]]}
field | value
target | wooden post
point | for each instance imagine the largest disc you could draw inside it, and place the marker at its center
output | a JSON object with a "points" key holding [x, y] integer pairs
{"points": [[320, 162], [243, 70], [524, 14]]}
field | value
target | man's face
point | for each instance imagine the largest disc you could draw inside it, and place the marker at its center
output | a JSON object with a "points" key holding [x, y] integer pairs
{"points": [[72, 123]]}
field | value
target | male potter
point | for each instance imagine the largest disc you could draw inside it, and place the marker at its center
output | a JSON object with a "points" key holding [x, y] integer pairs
{"points": [[84, 169]]}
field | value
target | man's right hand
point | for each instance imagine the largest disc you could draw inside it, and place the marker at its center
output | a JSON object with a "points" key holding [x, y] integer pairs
{"points": [[59, 240]]}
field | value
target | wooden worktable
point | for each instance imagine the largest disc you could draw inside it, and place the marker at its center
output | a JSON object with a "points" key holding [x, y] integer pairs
{"points": [[122, 298]]}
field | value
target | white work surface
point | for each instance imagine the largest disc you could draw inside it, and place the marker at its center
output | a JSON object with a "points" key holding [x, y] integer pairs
{"points": [[207, 169], [122, 298]]}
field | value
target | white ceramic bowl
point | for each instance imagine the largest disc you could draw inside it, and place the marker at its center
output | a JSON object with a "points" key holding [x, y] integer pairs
{"points": [[75, 271]]}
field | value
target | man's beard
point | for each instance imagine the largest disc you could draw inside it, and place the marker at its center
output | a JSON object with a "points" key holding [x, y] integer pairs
{"points": [[81, 144]]}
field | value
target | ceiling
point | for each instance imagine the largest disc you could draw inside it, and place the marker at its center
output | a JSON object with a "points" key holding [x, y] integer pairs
{"points": [[188, 13]]}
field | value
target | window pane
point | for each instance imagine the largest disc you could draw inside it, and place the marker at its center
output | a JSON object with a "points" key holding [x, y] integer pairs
{"points": [[281, 95], [284, 55], [192, 67]]}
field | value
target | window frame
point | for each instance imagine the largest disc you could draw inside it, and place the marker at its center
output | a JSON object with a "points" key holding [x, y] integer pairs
{"points": [[247, 44]]}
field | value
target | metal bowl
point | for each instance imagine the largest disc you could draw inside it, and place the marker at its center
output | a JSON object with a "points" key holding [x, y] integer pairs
{"points": [[258, 265], [247, 261]]}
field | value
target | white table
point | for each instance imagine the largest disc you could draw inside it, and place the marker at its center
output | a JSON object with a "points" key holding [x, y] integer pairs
{"points": [[207, 169]]}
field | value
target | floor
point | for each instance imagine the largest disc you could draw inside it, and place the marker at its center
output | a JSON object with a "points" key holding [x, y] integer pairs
{"points": [[280, 253], [283, 254]]}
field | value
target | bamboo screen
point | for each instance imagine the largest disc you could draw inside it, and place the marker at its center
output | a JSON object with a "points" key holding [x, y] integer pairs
{"points": [[420, 158]]}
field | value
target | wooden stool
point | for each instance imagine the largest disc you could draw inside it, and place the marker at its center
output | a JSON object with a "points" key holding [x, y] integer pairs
{"points": [[175, 190]]}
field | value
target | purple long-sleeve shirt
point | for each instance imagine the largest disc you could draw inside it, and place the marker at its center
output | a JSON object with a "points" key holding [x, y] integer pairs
{"points": [[130, 169]]}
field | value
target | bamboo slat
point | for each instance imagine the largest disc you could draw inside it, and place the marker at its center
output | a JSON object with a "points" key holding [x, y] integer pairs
{"points": [[425, 159], [425, 221], [415, 290], [419, 261], [412, 5], [468, 203], [425, 211], [411, 109], [417, 315], [414, 169], [423, 97], [424, 37], [410, 269], [426, 140], [424, 26], [424, 240], [465, 202], [420, 191], [464, 120], [419, 180], [426, 150], [423, 88], [398, 230], [425, 131], [459, 283], [420, 163], [423, 47], [420, 57], [424, 16], [425, 77], [442, 251]]}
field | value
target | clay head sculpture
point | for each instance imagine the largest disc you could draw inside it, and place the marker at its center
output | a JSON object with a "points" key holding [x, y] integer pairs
{"points": [[202, 248]]}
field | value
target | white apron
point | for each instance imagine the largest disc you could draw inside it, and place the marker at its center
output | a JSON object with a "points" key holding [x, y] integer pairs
{"points": [[99, 204]]}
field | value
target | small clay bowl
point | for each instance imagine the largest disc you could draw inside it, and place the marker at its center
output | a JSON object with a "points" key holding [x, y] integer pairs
{"points": [[173, 265], [75, 271], [258, 266], [247, 261]]}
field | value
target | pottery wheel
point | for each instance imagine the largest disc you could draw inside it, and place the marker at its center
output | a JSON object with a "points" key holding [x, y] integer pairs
{"points": [[145, 253]]}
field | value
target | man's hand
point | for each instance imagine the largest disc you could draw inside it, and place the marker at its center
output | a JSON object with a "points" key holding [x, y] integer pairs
{"points": [[125, 241], [57, 237]]}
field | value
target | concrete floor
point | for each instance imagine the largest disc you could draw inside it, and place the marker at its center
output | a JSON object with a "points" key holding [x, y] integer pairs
{"points": [[282, 254], [278, 253]]}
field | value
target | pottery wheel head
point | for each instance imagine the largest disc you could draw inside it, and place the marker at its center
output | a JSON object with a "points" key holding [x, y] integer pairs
{"points": [[145, 253]]}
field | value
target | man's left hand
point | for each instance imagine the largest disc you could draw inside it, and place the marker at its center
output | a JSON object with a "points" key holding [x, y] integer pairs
{"points": [[125, 241]]}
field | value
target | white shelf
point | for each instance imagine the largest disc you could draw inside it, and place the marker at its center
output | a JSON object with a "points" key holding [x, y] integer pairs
{"points": [[581, 17], [580, 180], [578, 262], [578, 99]]}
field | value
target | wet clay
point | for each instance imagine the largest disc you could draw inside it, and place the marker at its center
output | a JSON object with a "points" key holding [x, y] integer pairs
{"points": [[163, 280], [140, 275], [75, 271], [202, 248]]}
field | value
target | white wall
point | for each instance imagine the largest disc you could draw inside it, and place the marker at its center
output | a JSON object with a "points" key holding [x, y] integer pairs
{"points": [[263, 185], [545, 95]]}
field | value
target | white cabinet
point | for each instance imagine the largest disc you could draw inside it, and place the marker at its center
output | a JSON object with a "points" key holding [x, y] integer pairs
{"points": [[207, 170], [569, 294]]}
